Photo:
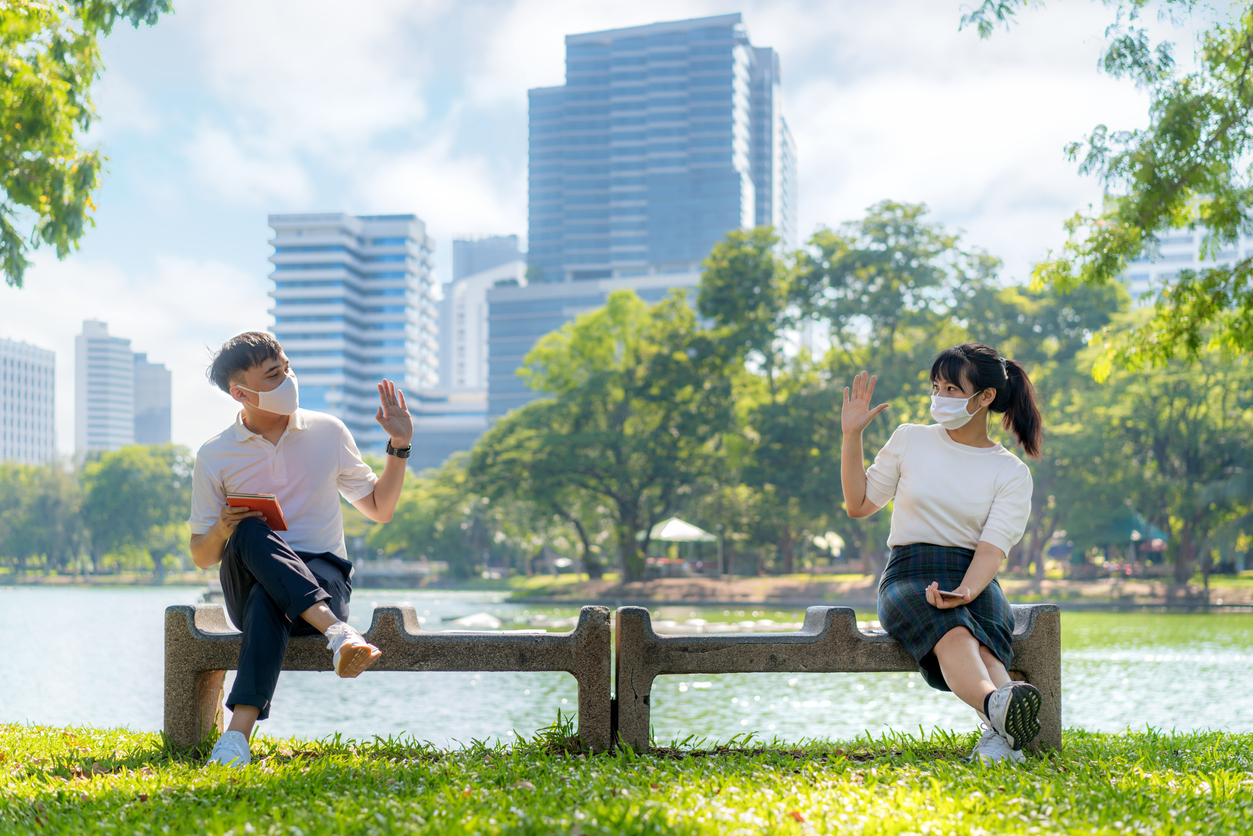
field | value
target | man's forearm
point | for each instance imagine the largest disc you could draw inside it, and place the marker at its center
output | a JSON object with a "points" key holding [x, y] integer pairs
{"points": [[852, 474], [387, 488], [206, 549]]}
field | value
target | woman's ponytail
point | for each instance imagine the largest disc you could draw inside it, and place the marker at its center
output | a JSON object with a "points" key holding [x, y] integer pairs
{"points": [[1022, 415]]}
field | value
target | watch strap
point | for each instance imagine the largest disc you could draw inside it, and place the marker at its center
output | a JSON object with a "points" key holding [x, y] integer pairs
{"points": [[402, 453]]}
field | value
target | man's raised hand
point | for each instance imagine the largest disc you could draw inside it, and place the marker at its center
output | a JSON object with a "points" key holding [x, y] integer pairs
{"points": [[393, 414], [857, 410]]}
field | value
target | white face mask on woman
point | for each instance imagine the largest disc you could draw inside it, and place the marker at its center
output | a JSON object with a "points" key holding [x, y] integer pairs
{"points": [[950, 413], [283, 399]]}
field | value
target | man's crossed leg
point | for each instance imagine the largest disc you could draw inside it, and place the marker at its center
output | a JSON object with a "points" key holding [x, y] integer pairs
{"points": [[273, 593]]}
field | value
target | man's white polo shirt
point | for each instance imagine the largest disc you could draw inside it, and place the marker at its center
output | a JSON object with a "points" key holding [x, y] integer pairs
{"points": [[314, 462]]}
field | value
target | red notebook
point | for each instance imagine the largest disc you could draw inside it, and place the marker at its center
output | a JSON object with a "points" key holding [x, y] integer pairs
{"points": [[266, 503]]}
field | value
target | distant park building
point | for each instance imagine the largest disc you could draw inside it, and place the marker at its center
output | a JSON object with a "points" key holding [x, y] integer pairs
{"points": [[354, 302], [27, 377], [477, 264], [663, 138], [104, 390], [153, 397]]}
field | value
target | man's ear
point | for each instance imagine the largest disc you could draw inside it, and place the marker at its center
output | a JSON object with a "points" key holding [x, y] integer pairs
{"points": [[238, 395]]}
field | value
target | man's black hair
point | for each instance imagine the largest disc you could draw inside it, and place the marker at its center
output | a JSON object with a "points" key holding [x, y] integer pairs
{"points": [[239, 354]]}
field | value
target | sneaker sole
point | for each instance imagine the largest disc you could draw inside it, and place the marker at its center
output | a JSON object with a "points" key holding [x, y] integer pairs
{"points": [[1022, 716], [355, 659]]}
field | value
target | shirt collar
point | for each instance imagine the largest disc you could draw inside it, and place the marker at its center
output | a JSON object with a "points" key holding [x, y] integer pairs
{"points": [[242, 433]]}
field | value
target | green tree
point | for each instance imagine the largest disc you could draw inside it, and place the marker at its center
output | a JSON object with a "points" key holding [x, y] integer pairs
{"points": [[1192, 168], [132, 498], [49, 58], [39, 516], [640, 397]]}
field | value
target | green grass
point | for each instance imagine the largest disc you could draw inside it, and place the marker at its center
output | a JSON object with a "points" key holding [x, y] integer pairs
{"points": [[92, 781]]}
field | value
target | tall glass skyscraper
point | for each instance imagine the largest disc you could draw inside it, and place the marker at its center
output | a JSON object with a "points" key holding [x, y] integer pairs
{"points": [[354, 302], [663, 138]]}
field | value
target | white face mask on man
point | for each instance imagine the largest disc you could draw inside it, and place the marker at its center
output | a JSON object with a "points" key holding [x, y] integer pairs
{"points": [[283, 399], [950, 413]]}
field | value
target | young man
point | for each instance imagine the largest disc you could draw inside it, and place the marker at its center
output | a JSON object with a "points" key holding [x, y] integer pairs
{"points": [[296, 583]]}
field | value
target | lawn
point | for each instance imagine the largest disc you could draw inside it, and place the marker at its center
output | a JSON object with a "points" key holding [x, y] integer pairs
{"points": [[97, 781]]}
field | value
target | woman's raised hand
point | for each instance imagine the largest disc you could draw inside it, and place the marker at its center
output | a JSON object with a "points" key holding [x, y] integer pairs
{"points": [[857, 410]]}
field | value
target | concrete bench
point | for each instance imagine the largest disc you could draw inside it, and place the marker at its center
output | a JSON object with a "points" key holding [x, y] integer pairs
{"points": [[200, 647], [828, 642]]}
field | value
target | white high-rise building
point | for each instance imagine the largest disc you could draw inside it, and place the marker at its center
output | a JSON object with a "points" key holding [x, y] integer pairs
{"points": [[1177, 250], [27, 375], [354, 302], [104, 390], [464, 325]]}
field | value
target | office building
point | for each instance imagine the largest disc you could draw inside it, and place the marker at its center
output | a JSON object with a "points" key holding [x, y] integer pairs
{"points": [[1177, 250], [664, 138], [474, 255], [354, 302], [27, 375], [463, 326], [153, 396], [519, 315], [104, 390]]}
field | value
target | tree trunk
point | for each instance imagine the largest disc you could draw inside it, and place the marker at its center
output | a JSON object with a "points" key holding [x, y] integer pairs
{"points": [[787, 551], [590, 564], [1183, 560], [632, 556]]}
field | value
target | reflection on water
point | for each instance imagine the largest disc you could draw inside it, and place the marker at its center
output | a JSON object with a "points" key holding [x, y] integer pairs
{"points": [[95, 656]]}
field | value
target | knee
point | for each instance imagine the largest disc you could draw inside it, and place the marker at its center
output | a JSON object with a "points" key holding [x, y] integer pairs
{"points": [[251, 526], [956, 637]]}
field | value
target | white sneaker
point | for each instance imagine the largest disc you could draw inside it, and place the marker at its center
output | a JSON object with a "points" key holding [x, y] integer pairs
{"points": [[353, 654], [231, 750], [992, 748], [1013, 711]]}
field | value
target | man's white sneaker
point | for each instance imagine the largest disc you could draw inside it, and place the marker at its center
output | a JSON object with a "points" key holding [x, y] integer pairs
{"points": [[353, 654], [231, 750], [992, 748], [1013, 711]]}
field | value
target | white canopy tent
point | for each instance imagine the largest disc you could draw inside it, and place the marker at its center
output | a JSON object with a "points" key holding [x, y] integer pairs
{"points": [[675, 530]]}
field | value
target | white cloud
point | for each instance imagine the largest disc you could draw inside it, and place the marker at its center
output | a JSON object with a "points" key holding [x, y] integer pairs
{"points": [[178, 312], [254, 177]]}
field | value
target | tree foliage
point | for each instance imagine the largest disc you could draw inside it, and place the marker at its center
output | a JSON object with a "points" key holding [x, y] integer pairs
{"points": [[1191, 168], [49, 58]]}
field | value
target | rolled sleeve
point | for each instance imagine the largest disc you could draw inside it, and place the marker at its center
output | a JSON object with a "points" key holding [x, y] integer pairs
{"points": [[207, 497], [355, 478], [1007, 519], [883, 476]]}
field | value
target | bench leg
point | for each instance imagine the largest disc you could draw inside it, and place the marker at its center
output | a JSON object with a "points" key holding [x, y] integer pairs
{"points": [[1040, 663], [193, 706], [594, 712]]}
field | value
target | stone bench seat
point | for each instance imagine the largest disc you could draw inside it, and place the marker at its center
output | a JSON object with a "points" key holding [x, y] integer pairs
{"points": [[200, 647], [828, 642]]}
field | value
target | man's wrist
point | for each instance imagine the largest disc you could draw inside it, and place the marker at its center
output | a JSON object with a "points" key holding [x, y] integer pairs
{"points": [[401, 443]]}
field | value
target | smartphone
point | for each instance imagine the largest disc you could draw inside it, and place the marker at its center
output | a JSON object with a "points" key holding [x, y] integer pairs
{"points": [[950, 594]]}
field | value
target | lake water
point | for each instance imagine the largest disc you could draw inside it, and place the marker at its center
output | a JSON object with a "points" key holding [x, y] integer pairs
{"points": [[94, 656]]}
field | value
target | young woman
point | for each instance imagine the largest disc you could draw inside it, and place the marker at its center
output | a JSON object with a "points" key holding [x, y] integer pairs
{"points": [[962, 501]]}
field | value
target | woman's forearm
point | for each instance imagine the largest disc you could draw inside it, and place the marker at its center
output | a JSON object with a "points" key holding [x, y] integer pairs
{"points": [[983, 568], [853, 475]]}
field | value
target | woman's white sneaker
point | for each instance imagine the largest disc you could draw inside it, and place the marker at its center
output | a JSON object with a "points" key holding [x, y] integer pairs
{"points": [[992, 748], [231, 750], [1013, 711], [353, 654]]}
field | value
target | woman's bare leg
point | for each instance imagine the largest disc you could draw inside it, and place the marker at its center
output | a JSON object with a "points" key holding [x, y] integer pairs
{"points": [[996, 671], [964, 669]]}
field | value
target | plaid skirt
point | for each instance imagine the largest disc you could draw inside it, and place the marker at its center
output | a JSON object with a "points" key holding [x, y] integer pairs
{"points": [[908, 618]]}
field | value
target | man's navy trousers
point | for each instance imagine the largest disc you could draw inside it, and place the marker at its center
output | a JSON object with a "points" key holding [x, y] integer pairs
{"points": [[267, 586]]}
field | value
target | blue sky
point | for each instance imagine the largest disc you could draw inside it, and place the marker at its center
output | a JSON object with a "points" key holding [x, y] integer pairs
{"points": [[231, 109]]}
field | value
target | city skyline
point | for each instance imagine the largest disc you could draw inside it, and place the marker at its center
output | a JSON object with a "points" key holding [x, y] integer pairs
{"points": [[426, 113]]}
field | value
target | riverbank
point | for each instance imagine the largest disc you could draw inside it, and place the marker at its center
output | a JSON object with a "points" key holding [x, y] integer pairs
{"points": [[78, 780], [859, 591]]}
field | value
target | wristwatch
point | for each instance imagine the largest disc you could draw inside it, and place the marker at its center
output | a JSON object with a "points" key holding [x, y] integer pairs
{"points": [[402, 453]]}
